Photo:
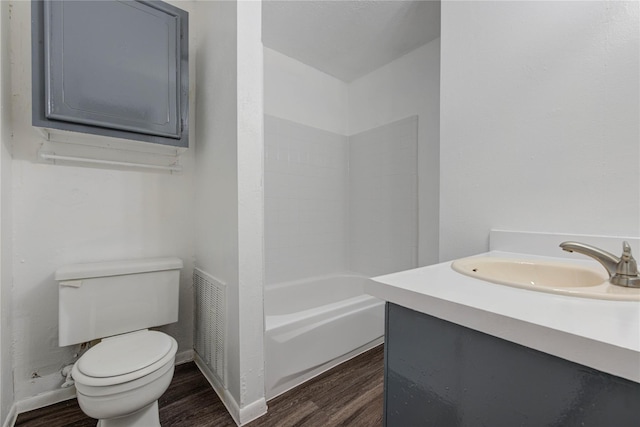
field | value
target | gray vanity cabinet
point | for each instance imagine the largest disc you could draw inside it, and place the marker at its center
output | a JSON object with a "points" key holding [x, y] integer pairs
{"points": [[441, 374], [114, 68]]}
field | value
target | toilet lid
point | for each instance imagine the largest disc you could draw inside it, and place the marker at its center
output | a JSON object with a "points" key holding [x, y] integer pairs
{"points": [[124, 354]]}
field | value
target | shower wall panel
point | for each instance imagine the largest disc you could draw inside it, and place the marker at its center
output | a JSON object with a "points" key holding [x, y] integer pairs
{"points": [[305, 201], [383, 198]]}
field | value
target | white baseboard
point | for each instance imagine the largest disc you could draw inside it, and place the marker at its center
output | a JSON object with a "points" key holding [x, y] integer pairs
{"points": [[12, 416], [241, 416], [253, 411], [45, 399], [227, 399], [38, 401], [184, 357], [56, 396]]}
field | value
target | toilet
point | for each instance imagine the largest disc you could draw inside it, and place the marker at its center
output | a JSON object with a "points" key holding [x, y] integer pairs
{"points": [[119, 380]]}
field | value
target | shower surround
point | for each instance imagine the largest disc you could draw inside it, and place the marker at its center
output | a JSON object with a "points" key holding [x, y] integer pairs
{"points": [[338, 210]]}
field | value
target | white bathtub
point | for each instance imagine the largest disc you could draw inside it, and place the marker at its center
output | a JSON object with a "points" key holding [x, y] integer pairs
{"points": [[314, 324]]}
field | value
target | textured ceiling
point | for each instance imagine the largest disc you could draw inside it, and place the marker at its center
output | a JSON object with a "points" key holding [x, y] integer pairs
{"points": [[348, 39]]}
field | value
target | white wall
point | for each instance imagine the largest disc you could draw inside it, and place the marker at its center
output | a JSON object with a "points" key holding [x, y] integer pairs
{"points": [[408, 86], [216, 154], [539, 120], [229, 206], [65, 214], [251, 209], [75, 214], [216, 182], [6, 354], [217, 163], [302, 94]]}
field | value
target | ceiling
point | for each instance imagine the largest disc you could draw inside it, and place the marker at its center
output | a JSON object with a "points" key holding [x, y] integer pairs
{"points": [[348, 39]]}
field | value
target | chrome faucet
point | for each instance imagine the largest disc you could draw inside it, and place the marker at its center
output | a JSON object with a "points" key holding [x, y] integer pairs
{"points": [[623, 271]]}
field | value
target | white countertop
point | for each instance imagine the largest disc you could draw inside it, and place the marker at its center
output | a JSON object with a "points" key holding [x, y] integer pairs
{"points": [[602, 334]]}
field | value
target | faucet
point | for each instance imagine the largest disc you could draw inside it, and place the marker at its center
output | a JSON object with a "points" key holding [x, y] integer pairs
{"points": [[623, 270]]}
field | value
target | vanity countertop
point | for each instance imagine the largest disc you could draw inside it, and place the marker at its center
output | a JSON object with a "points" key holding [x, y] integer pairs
{"points": [[601, 334]]}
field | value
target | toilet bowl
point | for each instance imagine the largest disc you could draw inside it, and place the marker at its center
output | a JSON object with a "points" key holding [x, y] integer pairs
{"points": [[120, 380]]}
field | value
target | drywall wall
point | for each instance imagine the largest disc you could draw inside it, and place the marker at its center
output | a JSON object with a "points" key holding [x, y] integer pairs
{"points": [[229, 195], [539, 120], [251, 209], [71, 214], [405, 87], [6, 353], [300, 93], [216, 183]]}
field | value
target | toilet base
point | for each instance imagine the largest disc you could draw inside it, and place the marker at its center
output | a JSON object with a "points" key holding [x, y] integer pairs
{"points": [[145, 417]]}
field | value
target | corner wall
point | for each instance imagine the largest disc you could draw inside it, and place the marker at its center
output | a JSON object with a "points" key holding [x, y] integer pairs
{"points": [[539, 120], [71, 214], [6, 238], [251, 209], [216, 182], [229, 194]]}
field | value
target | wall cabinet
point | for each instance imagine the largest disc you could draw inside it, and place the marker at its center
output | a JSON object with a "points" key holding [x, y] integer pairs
{"points": [[439, 374], [111, 68]]}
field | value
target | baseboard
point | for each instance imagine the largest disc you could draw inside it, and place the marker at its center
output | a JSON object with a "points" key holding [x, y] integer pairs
{"points": [[12, 416], [241, 416], [227, 399], [60, 395], [253, 411], [184, 357], [45, 399], [39, 401]]}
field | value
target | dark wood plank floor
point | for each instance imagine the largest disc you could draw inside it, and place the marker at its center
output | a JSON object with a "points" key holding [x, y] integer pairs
{"points": [[348, 395]]}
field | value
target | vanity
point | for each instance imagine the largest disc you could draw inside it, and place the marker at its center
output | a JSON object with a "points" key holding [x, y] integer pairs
{"points": [[462, 351]]}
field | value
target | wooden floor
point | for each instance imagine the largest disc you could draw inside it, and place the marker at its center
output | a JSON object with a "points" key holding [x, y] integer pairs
{"points": [[348, 395]]}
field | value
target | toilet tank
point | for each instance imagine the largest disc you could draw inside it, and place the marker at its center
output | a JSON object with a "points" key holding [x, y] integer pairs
{"points": [[102, 299]]}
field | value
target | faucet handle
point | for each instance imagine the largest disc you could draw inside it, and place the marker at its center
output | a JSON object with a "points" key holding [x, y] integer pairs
{"points": [[626, 250], [627, 265]]}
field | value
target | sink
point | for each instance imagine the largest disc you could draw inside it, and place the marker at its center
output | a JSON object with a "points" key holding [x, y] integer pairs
{"points": [[545, 276]]}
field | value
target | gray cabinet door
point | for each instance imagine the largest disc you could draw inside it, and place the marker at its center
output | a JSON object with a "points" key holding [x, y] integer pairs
{"points": [[113, 64], [114, 68], [439, 374]]}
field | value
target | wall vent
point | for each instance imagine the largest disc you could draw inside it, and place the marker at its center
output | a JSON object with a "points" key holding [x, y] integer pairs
{"points": [[210, 330]]}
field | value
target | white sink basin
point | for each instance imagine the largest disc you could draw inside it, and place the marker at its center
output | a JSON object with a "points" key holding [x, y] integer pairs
{"points": [[545, 276]]}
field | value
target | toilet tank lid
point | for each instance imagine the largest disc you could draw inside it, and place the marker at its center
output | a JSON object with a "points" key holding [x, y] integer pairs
{"points": [[116, 268]]}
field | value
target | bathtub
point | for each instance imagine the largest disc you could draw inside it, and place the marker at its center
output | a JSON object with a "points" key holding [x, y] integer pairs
{"points": [[315, 324]]}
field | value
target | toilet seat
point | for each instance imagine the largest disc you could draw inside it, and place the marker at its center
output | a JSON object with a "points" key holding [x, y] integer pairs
{"points": [[124, 358]]}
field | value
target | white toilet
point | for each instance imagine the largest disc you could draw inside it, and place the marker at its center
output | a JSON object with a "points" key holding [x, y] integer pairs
{"points": [[119, 380]]}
